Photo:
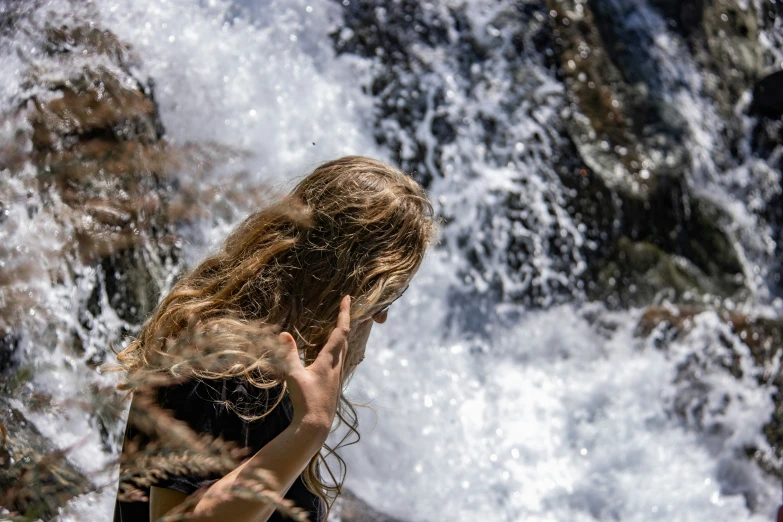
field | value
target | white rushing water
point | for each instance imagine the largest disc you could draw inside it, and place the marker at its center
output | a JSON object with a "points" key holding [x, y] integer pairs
{"points": [[553, 415]]}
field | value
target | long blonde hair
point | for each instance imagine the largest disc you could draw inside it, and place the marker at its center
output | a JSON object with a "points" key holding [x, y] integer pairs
{"points": [[354, 226]]}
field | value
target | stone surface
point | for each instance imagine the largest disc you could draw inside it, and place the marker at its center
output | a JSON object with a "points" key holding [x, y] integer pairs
{"points": [[617, 150], [762, 337], [656, 235], [35, 478], [100, 169], [351, 508]]}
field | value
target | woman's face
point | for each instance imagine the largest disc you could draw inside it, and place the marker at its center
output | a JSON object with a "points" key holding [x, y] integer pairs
{"points": [[358, 336], [361, 328]]}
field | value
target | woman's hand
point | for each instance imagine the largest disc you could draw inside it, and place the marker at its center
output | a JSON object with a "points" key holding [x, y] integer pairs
{"points": [[315, 389]]}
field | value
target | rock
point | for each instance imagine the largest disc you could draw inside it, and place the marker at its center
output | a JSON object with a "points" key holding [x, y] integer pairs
{"points": [[762, 335], [434, 135], [383, 30], [8, 346], [731, 55], [766, 142], [99, 175], [763, 338], [351, 508], [98, 147], [768, 96], [624, 125], [685, 16], [619, 147], [621, 119], [103, 175], [642, 273], [36, 479], [671, 245]]}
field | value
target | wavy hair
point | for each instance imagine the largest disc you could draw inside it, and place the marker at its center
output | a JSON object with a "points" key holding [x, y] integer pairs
{"points": [[354, 226]]}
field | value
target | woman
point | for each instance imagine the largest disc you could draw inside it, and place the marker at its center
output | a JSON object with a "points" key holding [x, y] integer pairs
{"points": [[320, 268]]}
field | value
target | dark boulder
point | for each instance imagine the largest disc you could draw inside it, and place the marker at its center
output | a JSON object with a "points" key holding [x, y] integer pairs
{"points": [[768, 96], [685, 16], [654, 237]]}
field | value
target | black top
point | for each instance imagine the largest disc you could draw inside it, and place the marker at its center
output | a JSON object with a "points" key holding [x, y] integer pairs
{"points": [[202, 404]]}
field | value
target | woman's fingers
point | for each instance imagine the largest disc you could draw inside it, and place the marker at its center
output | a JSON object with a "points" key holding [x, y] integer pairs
{"points": [[314, 390], [332, 354], [289, 353]]}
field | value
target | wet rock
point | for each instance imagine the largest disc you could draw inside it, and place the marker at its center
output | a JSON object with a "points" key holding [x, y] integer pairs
{"points": [[383, 30], [655, 237], [624, 126], [768, 96], [36, 479], [8, 346], [642, 273], [685, 16], [766, 142], [90, 160], [762, 337], [731, 55], [722, 37], [616, 159], [671, 246], [98, 148], [435, 136]]}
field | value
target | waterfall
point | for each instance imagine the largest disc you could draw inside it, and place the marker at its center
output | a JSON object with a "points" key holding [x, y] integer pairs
{"points": [[596, 334]]}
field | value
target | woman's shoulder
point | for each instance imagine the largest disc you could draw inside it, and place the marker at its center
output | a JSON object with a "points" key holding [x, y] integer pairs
{"points": [[229, 391], [233, 409]]}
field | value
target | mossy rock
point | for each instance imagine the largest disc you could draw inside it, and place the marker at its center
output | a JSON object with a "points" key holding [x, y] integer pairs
{"points": [[642, 273]]}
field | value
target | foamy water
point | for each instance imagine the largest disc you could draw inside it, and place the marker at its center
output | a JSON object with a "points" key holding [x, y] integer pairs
{"points": [[505, 414], [547, 420]]}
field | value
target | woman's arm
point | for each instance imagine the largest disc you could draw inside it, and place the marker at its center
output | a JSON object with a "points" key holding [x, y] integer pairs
{"points": [[163, 500], [314, 392]]}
